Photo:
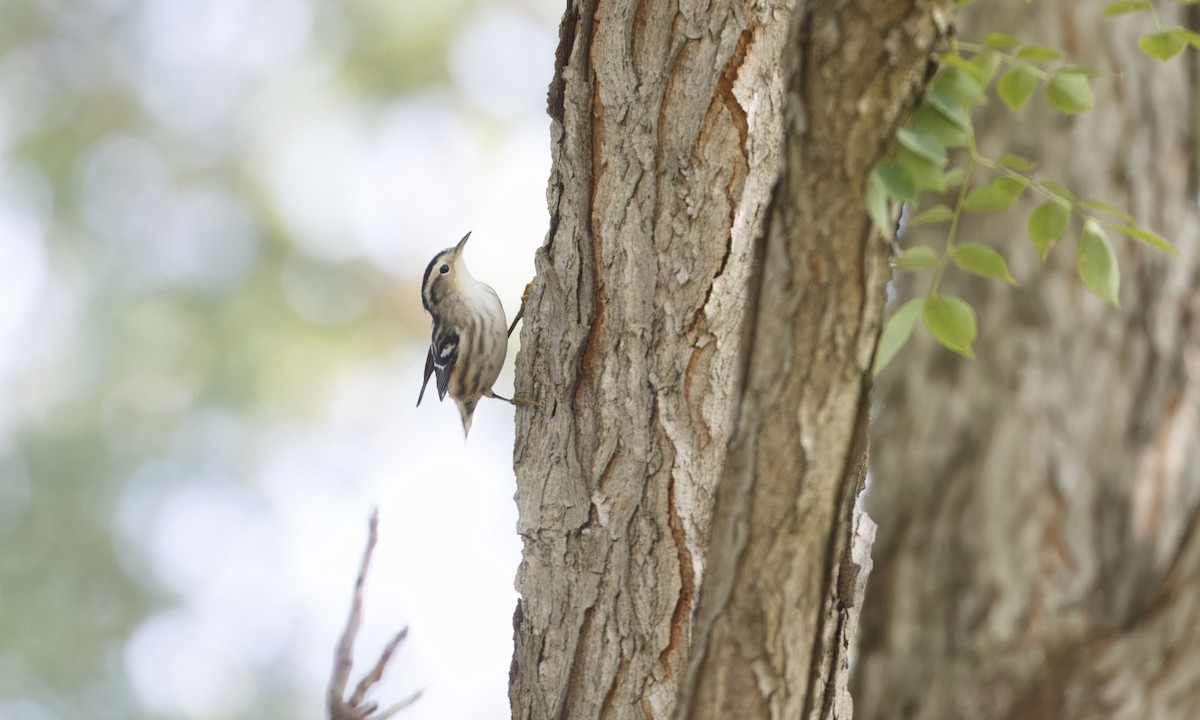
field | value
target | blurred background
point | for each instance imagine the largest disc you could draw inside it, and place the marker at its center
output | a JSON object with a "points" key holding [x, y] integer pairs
{"points": [[214, 217]]}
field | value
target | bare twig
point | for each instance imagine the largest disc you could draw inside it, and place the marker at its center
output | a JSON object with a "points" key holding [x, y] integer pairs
{"points": [[355, 708], [398, 706]]}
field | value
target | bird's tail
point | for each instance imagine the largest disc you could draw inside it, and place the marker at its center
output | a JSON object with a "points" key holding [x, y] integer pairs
{"points": [[467, 411]]}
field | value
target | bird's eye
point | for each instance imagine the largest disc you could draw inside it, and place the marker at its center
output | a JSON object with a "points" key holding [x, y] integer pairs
{"points": [[444, 269]]}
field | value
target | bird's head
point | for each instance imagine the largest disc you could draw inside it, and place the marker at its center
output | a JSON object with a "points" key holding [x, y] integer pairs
{"points": [[444, 274]]}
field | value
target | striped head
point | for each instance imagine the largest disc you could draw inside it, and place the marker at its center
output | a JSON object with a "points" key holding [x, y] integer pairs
{"points": [[444, 277]]}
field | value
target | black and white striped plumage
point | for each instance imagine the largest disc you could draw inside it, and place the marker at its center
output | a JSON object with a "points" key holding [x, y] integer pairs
{"points": [[469, 340]]}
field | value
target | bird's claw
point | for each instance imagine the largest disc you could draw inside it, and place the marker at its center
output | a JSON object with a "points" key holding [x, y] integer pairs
{"points": [[520, 399]]}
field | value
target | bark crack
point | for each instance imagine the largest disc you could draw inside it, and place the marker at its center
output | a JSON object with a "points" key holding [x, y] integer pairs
{"points": [[725, 83], [838, 556], [575, 682], [556, 95], [687, 580]]}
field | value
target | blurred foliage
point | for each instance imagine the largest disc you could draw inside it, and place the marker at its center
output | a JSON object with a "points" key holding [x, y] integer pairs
{"points": [[131, 182], [410, 35]]}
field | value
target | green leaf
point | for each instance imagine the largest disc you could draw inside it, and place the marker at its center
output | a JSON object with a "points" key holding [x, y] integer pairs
{"points": [[953, 178], [953, 59], [952, 322], [1121, 8], [1098, 264], [896, 182], [1001, 41], [1015, 162], [1150, 238], [1037, 53], [926, 119], [921, 257], [1047, 224], [923, 173], [958, 85], [986, 64], [935, 214], [1013, 186], [983, 261], [1058, 190], [925, 144], [896, 332], [877, 204], [1192, 37], [1106, 208], [1016, 87], [1163, 46], [1069, 92], [988, 199], [948, 107]]}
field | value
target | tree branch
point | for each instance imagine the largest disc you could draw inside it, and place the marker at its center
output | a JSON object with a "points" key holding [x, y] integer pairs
{"points": [[354, 708]]}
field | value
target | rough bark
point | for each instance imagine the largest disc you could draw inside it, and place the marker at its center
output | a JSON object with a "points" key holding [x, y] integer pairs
{"points": [[1037, 554], [708, 265], [781, 598]]}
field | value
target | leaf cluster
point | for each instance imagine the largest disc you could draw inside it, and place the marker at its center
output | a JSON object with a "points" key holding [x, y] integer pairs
{"points": [[1164, 43], [935, 153]]}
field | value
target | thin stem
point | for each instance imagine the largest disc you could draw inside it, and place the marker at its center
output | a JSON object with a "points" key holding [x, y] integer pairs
{"points": [[1007, 58], [1154, 16], [958, 209]]}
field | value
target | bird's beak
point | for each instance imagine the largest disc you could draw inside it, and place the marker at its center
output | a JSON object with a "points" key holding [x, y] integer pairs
{"points": [[461, 244]]}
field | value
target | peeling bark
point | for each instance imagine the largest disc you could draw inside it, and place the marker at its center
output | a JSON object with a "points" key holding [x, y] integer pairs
{"points": [[698, 339]]}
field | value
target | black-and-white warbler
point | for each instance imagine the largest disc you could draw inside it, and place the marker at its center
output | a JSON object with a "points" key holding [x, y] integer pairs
{"points": [[469, 341]]}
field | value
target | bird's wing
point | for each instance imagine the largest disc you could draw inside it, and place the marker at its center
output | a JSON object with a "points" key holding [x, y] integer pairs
{"points": [[428, 373], [443, 353]]}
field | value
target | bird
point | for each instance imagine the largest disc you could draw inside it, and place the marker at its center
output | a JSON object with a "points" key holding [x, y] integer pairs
{"points": [[468, 344]]}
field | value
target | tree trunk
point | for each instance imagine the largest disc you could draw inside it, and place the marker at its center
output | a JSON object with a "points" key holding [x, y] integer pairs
{"points": [[1037, 554], [698, 340]]}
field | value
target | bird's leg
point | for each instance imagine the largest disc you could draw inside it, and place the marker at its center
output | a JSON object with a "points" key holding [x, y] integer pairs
{"points": [[518, 399], [521, 310]]}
